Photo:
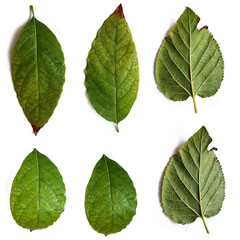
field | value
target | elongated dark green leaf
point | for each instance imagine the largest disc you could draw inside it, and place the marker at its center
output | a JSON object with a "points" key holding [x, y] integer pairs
{"points": [[112, 73], [193, 184], [38, 72], [110, 201], [38, 193], [189, 61]]}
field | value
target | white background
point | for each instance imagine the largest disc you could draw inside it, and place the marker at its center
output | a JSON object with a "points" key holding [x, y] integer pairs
{"points": [[76, 136]]}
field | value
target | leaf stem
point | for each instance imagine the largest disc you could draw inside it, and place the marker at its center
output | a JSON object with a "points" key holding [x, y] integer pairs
{"points": [[117, 129], [31, 7], [194, 103], [205, 225]]}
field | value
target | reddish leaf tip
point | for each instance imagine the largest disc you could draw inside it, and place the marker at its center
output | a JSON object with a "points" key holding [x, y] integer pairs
{"points": [[119, 10], [204, 27], [36, 129]]}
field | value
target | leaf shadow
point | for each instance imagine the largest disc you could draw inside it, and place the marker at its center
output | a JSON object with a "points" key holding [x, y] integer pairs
{"points": [[15, 38], [155, 59], [162, 176]]}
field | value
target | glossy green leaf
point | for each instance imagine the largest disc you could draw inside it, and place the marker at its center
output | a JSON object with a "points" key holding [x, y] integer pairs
{"points": [[38, 72], [112, 73], [110, 201], [193, 185], [38, 193], [189, 61]]}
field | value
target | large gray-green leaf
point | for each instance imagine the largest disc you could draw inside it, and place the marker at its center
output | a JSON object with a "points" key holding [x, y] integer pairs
{"points": [[189, 61], [110, 201], [112, 73], [193, 185], [38, 193], [38, 72]]}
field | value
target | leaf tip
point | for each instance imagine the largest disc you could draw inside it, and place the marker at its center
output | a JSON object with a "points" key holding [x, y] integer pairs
{"points": [[203, 128], [36, 129], [119, 10], [189, 9], [35, 150]]}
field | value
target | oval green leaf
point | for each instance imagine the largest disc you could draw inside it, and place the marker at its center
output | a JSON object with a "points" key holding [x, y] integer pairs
{"points": [[38, 193], [112, 73], [189, 61], [110, 201], [38, 72], [193, 185]]}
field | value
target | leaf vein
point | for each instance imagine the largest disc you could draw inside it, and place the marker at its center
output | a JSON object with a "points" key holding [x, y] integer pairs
{"points": [[208, 76], [182, 199], [174, 78], [177, 65], [209, 41]]}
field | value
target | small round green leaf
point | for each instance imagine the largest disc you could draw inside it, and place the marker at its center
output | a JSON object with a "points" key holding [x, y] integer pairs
{"points": [[38, 72], [193, 185], [112, 73], [38, 193], [110, 200], [189, 61]]}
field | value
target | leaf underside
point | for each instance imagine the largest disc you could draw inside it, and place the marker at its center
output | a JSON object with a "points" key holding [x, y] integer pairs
{"points": [[38, 193], [110, 200], [112, 73], [38, 72], [193, 184], [189, 61]]}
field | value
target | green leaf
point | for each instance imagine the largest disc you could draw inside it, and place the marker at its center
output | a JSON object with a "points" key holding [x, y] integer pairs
{"points": [[193, 185], [38, 72], [112, 73], [38, 193], [189, 61], [110, 200]]}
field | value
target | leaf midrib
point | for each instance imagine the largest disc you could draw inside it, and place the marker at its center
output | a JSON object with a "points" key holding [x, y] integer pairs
{"points": [[115, 72], [38, 186], [190, 54], [110, 192], [190, 63], [199, 178], [36, 59], [199, 186]]}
